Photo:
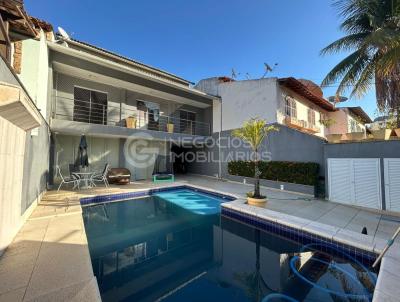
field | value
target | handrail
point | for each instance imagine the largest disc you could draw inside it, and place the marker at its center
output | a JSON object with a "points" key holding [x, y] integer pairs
{"points": [[115, 114]]}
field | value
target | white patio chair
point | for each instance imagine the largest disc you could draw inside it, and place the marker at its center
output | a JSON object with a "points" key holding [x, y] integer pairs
{"points": [[101, 177], [67, 180]]}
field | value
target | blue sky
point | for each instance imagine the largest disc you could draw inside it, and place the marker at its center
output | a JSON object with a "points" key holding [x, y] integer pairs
{"points": [[204, 38]]}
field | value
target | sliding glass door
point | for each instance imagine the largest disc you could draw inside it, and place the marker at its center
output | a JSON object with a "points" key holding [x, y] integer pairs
{"points": [[90, 106]]}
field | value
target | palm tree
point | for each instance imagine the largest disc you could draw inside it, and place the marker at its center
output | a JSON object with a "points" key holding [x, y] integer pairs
{"points": [[373, 37], [254, 132]]}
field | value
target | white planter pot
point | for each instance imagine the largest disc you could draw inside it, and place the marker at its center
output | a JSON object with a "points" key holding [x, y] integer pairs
{"points": [[355, 136], [333, 138], [258, 202], [383, 134]]}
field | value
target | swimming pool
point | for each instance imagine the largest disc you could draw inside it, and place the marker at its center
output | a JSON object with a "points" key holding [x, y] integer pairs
{"points": [[176, 246]]}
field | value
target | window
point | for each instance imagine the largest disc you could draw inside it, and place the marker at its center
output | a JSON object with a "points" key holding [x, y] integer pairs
{"points": [[290, 107], [354, 126], [187, 121], [149, 113], [90, 106], [311, 117]]}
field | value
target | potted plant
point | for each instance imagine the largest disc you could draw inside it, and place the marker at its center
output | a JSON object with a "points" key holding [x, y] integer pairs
{"points": [[131, 121], [382, 133], [254, 132], [332, 137], [394, 122]]}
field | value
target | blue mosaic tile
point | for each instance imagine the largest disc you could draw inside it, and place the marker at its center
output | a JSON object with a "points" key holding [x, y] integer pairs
{"points": [[299, 236], [122, 196]]}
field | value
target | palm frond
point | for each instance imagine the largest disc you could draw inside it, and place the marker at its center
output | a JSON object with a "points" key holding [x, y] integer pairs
{"points": [[352, 76], [365, 79], [346, 43], [341, 69], [389, 61], [254, 132]]}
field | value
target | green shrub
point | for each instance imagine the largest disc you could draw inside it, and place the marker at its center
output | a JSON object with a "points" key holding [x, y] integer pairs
{"points": [[285, 171]]}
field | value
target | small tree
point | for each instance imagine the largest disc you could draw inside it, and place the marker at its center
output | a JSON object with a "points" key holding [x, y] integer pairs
{"points": [[327, 123], [254, 132]]}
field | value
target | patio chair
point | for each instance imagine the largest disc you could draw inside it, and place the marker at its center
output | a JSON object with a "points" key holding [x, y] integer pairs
{"points": [[67, 180], [72, 170], [101, 177]]}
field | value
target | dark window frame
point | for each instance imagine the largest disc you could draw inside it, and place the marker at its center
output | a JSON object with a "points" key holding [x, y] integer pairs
{"points": [[92, 108]]}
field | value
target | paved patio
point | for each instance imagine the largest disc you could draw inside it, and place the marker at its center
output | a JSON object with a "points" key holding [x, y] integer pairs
{"points": [[49, 258], [378, 223]]}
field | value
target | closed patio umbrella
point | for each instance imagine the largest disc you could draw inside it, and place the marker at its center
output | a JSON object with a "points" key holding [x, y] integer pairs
{"points": [[83, 159]]}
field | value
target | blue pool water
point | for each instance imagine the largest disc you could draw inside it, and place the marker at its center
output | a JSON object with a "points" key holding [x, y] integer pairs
{"points": [[195, 202], [175, 246]]}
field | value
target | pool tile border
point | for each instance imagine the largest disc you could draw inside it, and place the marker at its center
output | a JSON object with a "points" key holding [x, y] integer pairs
{"points": [[298, 235], [362, 247], [122, 196]]}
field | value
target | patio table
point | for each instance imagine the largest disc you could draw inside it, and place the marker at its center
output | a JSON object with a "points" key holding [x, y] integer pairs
{"points": [[85, 177]]}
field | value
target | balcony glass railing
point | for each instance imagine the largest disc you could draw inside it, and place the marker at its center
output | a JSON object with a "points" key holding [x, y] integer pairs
{"points": [[116, 114]]}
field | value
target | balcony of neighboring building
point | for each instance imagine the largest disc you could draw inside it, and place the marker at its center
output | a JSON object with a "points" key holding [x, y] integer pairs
{"points": [[303, 119]]}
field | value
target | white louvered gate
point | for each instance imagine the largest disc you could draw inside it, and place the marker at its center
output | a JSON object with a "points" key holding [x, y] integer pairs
{"points": [[355, 181], [392, 183]]}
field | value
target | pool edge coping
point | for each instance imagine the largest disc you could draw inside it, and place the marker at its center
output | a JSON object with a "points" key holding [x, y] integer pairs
{"points": [[105, 198], [384, 291]]}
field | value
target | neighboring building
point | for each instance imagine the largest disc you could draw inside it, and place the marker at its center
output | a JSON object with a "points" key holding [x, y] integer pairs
{"points": [[296, 103], [348, 120], [24, 134], [286, 101], [380, 122]]}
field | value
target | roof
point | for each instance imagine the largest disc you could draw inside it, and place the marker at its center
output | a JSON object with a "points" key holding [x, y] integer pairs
{"points": [[381, 118], [125, 60], [358, 111], [298, 87], [20, 21]]}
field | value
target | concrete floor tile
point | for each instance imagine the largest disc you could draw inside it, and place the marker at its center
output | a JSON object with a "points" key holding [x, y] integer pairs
{"points": [[13, 296], [65, 263], [361, 241], [388, 283], [387, 226], [324, 230], [383, 297], [68, 293], [15, 278], [13, 261], [21, 247], [339, 216]]}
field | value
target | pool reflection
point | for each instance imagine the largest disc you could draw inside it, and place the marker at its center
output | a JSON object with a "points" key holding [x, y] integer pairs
{"points": [[150, 249]]}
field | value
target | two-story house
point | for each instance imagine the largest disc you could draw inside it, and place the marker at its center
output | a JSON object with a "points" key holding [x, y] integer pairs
{"points": [[114, 100], [295, 103]]}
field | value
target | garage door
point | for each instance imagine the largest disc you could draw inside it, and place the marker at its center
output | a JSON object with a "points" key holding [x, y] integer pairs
{"points": [[392, 183], [355, 181]]}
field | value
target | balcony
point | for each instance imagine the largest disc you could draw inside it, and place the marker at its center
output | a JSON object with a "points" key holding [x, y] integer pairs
{"points": [[119, 115], [301, 125]]}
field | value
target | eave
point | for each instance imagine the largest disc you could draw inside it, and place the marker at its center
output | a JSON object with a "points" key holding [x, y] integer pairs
{"points": [[296, 86], [123, 68]]}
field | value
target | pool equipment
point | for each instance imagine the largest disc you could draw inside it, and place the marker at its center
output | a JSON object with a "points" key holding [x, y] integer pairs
{"points": [[388, 245], [327, 290], [280, 297]]}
